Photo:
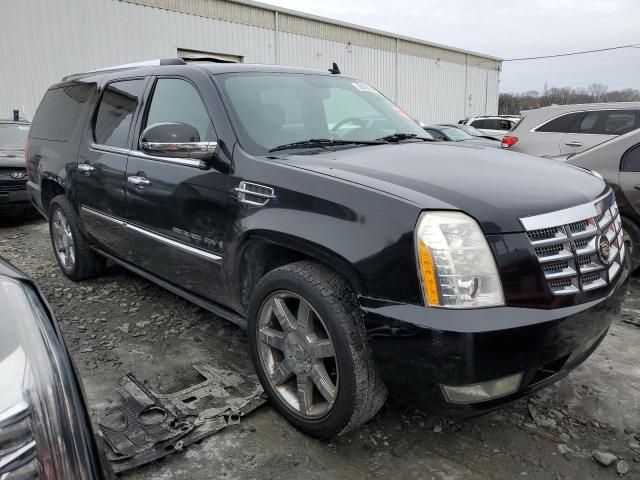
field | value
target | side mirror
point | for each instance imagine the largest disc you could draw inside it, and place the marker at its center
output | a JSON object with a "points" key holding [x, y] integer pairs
{"points": [[178, 140]]}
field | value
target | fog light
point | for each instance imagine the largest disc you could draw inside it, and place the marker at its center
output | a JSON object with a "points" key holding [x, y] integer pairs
{"points": [[481, 392]]}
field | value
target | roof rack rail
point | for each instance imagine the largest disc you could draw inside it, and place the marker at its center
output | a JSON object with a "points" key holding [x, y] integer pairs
{"points": [[148, 63]]}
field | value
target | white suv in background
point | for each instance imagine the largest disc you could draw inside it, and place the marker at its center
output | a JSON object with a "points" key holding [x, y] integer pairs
{"points": [[494, 126], [566, 129]]}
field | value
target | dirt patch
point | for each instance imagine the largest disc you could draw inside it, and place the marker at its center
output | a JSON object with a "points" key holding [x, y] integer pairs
{"points": [[121, 323]]}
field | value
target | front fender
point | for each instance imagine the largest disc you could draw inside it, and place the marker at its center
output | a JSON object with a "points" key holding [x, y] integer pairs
{"points": [[363, 233]]}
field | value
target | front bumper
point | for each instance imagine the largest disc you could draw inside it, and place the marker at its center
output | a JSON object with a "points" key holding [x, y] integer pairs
{"points": [[14, 196], [418, 350]]}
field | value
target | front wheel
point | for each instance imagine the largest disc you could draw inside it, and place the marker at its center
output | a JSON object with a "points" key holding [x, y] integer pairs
{"points": [[308, 345]]}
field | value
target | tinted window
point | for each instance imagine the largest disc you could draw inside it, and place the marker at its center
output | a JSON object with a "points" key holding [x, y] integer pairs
{"points": [[115, 113], [609, 122], [561, 124], [178, 101], [482, 123], [60, 111], [631, 160], [505, 125]]}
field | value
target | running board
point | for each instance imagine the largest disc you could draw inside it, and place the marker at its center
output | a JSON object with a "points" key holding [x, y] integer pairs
{"points": [[193, 298]]}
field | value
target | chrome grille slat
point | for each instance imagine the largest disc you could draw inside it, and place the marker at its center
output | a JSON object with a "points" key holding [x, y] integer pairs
{"points": [[570, 252], [18, 453]]}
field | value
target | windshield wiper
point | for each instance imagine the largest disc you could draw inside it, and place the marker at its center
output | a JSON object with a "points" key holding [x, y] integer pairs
{"points": [[324, 142], [398, 137]]}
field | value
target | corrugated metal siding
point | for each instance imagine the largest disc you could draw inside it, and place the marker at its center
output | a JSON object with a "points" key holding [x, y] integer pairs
{"points": [[302, 25], [482, 92], [376, 67], [431, 90], [218, 9], [338, 33], [45, 40], [54, 39]]}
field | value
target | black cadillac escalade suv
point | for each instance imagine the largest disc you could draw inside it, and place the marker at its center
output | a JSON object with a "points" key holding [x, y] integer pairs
{"points": [[360, 254]]}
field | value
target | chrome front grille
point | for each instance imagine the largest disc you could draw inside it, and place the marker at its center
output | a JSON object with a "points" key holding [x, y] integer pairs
{"points": [[580, 248], [18, 459]]}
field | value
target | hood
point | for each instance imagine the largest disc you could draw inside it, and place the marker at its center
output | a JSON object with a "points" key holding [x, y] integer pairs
{"points": [[495, 186], [11, 158]]}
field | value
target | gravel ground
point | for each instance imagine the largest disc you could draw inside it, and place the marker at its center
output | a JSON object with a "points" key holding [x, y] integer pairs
{"points": [[121, 323]]}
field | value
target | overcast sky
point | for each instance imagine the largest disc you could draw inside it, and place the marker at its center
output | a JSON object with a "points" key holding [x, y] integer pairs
{"points": [[511, 29]]}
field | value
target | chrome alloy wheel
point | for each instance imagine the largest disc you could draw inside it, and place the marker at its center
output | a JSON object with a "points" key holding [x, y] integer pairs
{"points": [[297, 354], [63, 240]]}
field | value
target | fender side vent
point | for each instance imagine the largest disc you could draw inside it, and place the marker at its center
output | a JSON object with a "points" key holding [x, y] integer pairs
{"points": [[253, 194]]}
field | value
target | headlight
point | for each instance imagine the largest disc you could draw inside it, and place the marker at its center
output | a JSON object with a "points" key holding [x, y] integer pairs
{"points": [[456, 266], [44, 425]]}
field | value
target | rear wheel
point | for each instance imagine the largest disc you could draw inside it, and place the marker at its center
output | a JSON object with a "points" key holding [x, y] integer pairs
{"points": [[71, 249], [308, 345], [631, 233]]}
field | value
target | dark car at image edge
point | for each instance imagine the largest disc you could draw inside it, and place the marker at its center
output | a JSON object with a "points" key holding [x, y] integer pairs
{"points": [[306, 207], [45, 428]]}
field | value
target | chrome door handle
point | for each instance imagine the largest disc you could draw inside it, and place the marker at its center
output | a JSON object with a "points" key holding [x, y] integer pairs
{"points": [[574, 144], [139, 181], [86, 169], [637, 187]]}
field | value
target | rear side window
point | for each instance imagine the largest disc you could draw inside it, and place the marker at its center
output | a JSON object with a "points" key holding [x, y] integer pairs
{"points": [[631, 160], [609, 122], [115, 112], [562, 124], [60, 111], [484, 123], [176, 100]]}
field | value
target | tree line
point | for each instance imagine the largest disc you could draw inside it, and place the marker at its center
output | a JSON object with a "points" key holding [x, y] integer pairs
{"points": [[514, 103]]}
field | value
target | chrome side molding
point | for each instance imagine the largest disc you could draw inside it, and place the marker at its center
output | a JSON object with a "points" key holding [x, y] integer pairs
{"points": [[160, 238]]}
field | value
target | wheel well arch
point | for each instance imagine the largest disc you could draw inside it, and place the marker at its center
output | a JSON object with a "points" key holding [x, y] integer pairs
{"points": [[262, 253], [50, 188]]}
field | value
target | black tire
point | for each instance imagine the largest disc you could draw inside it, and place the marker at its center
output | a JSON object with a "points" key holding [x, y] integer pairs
{"points": [[360, 391], [632, 232], [87, 263]]}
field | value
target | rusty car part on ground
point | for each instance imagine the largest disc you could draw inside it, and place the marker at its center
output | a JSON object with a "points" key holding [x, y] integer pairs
{"points": [[149, 425]]}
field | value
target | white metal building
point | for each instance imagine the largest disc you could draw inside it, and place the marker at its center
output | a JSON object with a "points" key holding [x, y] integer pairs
{"points": [[44, 40]]}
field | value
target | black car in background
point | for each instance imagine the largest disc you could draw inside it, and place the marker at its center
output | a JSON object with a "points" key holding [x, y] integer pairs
{"points": [[13, 175], [359, 254], [45, 430], [454, 133]]}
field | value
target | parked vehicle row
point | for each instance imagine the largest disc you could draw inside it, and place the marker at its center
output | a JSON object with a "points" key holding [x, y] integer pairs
{"points": [[359, 253], [567, 129], [494, 126], [461, 133]]}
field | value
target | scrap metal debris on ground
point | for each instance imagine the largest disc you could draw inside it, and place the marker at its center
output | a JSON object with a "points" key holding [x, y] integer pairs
{"points": [[149, 425]]}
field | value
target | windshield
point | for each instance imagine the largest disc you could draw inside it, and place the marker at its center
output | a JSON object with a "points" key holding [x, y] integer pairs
{"points": [[13, 135], [456, 134], [473, 131], [275, 109]]}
